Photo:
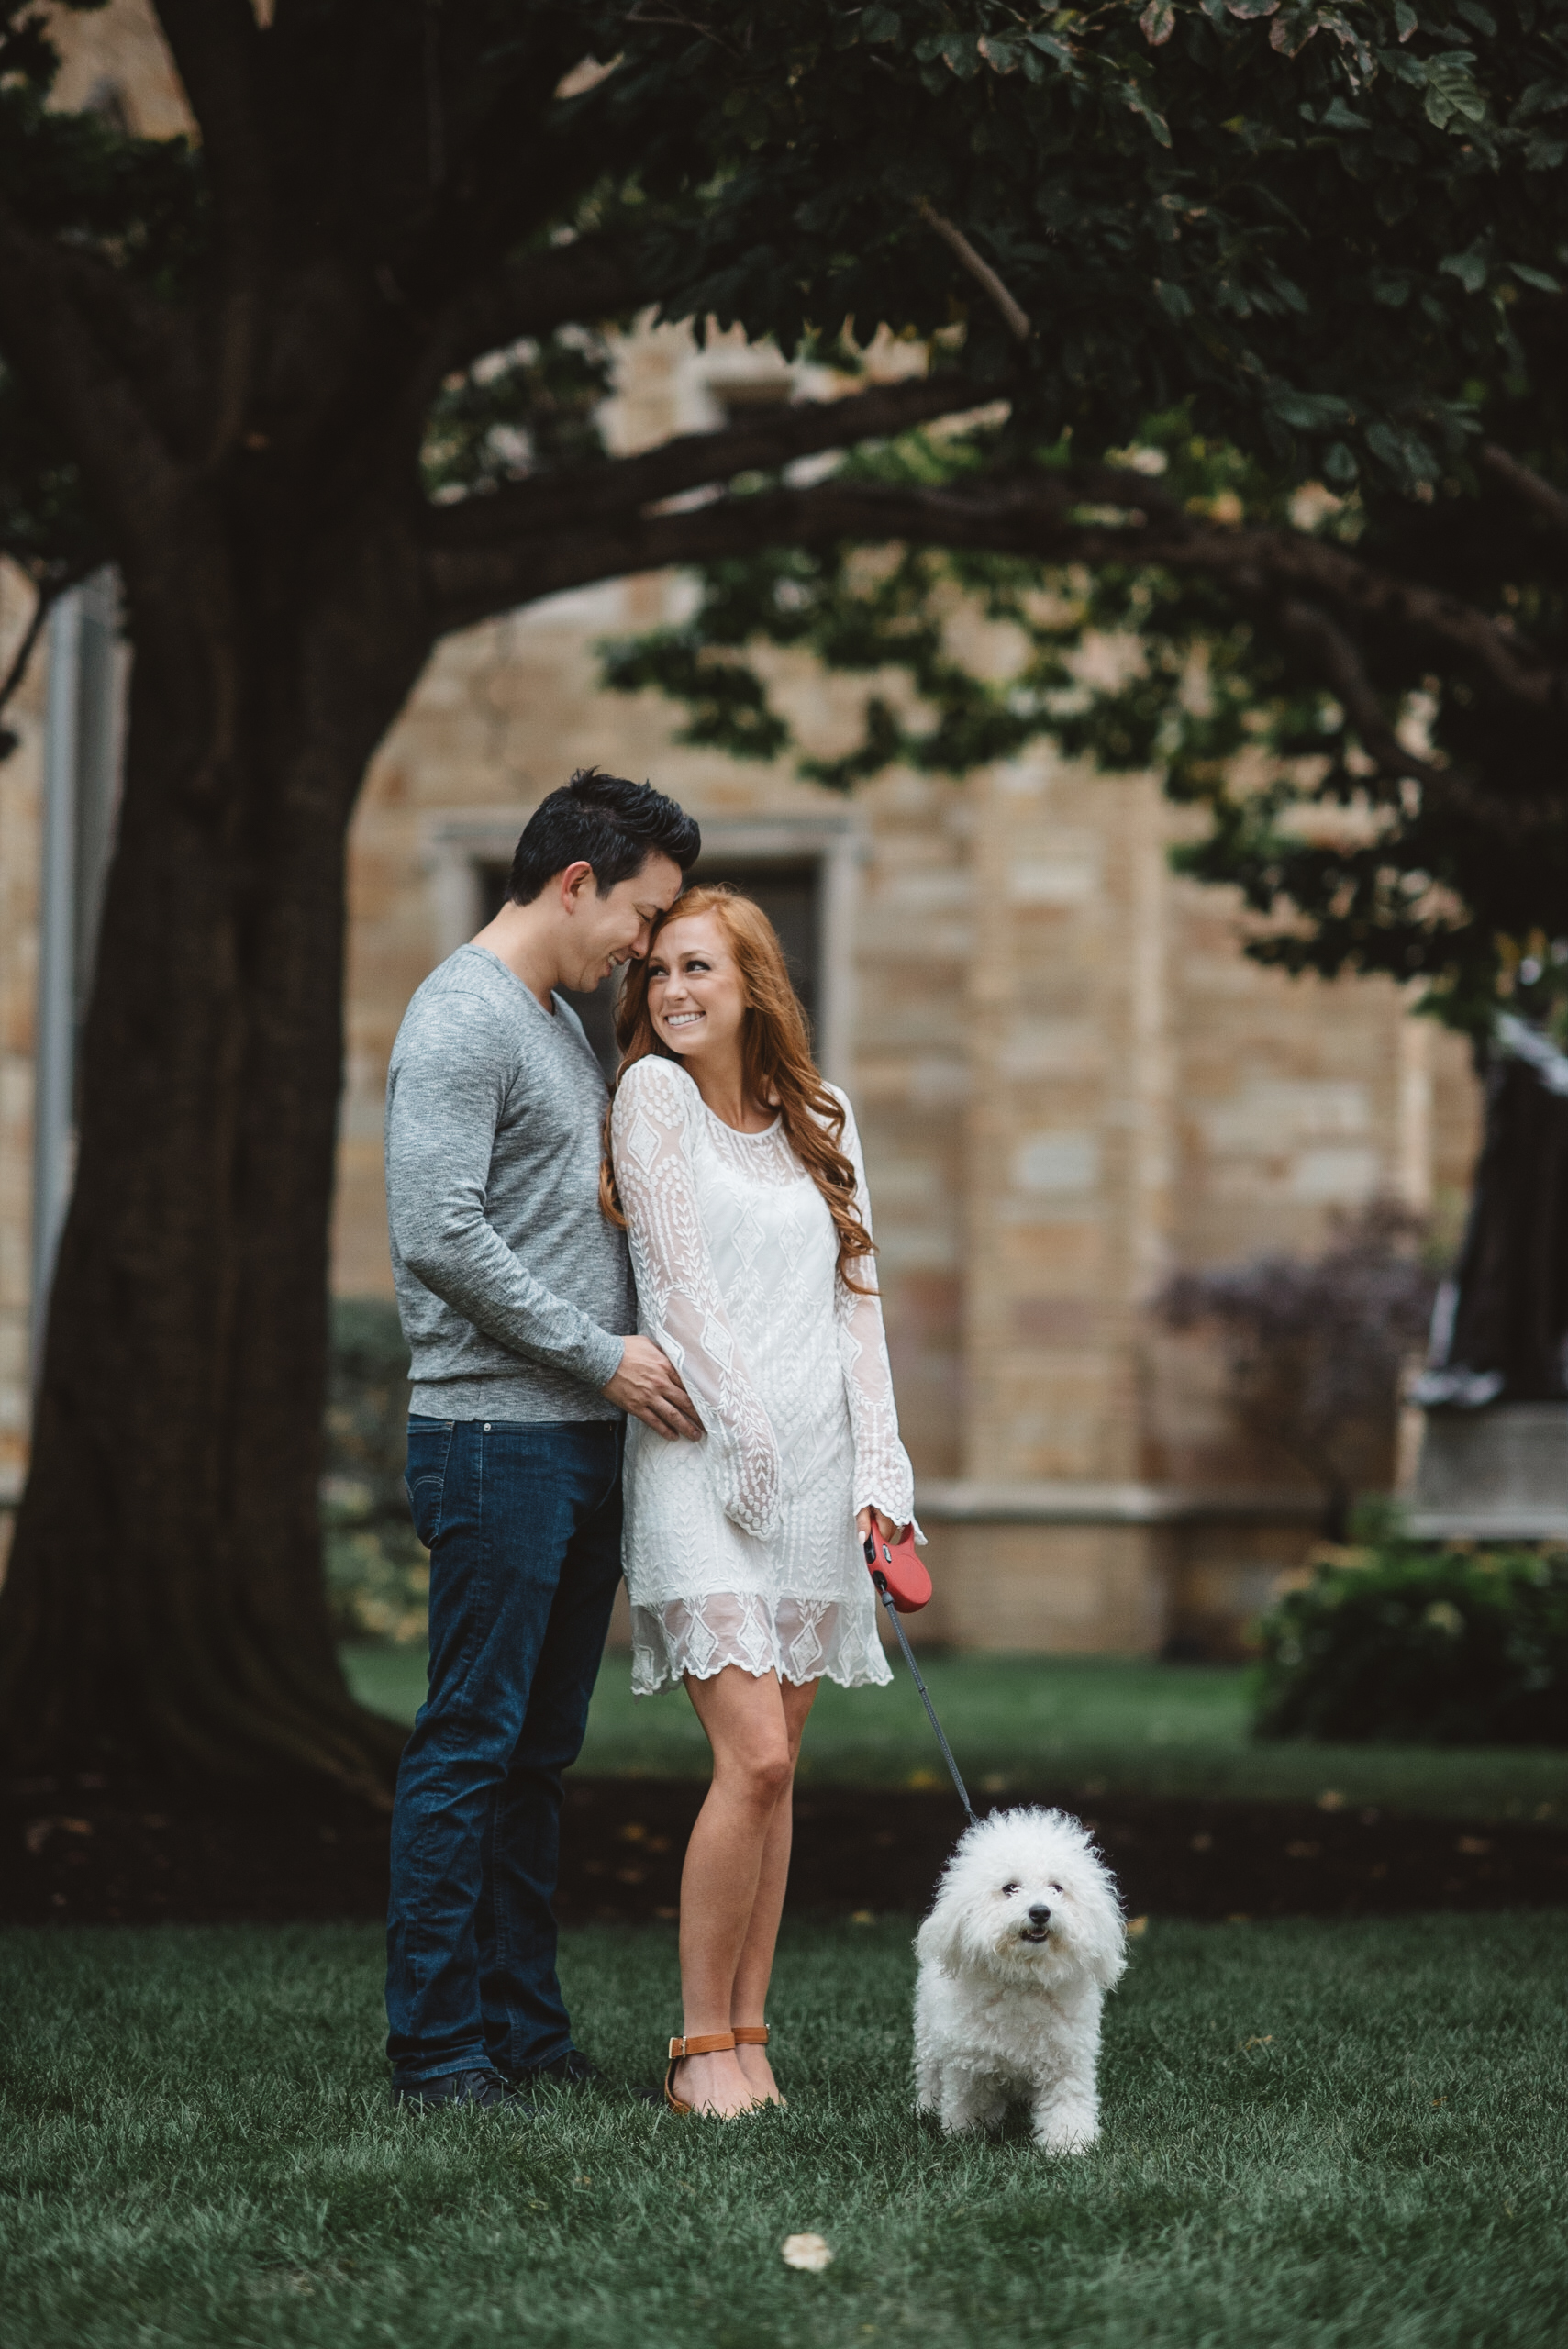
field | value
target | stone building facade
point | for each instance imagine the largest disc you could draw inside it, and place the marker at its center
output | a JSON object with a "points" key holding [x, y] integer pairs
{"points": [[1069, 1080]]}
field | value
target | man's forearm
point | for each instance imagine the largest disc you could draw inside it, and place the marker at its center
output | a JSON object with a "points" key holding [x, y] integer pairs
{"points": [[478, 1276]]}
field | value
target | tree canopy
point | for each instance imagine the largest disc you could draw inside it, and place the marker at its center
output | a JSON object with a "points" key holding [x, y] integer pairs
{"points": [[1319, 227], [1391, 647], [1268, 241]]}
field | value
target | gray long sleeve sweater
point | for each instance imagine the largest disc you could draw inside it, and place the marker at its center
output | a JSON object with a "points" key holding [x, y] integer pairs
{"points": [[514, 1292]]}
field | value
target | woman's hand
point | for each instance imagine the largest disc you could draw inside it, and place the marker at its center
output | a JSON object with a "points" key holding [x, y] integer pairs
{"points": [[884, 1525]]}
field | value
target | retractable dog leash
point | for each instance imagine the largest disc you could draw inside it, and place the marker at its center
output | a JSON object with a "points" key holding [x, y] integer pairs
{"points": [[903, 1587]]}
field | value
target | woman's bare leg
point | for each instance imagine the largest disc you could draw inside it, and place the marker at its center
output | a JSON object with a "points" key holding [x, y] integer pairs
{"points": [[745, 1725], [752, 1974]]}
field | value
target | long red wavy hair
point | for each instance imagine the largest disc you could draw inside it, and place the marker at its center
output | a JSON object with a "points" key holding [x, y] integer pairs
{"points": [[775, 1055]]}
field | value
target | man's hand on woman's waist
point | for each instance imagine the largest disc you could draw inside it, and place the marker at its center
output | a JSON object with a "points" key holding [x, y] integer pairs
{"points": [[647, 1386]]}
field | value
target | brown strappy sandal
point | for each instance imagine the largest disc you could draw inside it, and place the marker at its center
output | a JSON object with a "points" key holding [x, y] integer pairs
{"points": [[717, 2043], [755, 2034]]}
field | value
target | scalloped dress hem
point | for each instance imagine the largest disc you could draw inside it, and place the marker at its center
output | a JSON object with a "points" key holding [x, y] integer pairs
{"points": [[800, 1640]]}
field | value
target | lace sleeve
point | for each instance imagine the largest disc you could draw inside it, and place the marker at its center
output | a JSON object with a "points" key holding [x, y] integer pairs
{"points": [[679, 1295], [884, 1478]]}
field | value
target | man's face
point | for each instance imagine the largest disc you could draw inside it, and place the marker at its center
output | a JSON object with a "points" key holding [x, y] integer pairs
{"points": [[614, 930]]}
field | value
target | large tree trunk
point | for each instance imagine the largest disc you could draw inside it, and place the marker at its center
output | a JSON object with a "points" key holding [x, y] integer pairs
{"points": [[165, 1604]]}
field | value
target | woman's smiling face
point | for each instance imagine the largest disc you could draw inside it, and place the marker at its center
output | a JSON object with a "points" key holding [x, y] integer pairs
{"points": [[695, 999]]}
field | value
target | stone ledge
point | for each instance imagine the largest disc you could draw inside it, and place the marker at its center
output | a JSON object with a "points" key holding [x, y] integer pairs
{"points": [[965, 1501], [1523, 1524]]}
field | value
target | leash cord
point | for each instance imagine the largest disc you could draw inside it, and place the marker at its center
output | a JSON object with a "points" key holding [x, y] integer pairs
{"points": [[886, 1597]]}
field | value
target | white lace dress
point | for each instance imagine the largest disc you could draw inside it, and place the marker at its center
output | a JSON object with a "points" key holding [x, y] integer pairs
{"points": [[742, 1548]]}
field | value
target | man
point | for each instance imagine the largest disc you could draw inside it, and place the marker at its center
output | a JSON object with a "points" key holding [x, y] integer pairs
{"points": [[516, 1301]]}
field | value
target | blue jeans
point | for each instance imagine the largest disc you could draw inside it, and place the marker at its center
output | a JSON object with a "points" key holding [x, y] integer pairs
{"points": [[522, 1522]]}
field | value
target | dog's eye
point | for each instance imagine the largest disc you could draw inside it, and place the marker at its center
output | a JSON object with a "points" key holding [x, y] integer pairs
{"points": [[1008, 1890], [1055, 1887]]}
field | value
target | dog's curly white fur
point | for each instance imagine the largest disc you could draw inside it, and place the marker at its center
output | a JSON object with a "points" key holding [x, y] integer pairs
{"points": [[1025, 1937]]}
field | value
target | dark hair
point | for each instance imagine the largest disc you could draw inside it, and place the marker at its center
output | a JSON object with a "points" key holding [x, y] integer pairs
{"points": [[604, 821]]}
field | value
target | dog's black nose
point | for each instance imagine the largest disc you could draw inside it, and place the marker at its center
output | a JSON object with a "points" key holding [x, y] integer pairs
{"points": [[1040, 1914]]}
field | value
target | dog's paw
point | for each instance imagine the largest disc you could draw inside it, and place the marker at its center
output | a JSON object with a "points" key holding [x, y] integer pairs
{"points": [[1066, 2136]]}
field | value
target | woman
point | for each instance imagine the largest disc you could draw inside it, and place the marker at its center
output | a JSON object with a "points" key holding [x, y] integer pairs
{"points": [[737, 1175]]}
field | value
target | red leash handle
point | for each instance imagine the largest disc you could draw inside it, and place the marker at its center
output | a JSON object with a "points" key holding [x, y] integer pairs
{"points": [[897, 1567]]}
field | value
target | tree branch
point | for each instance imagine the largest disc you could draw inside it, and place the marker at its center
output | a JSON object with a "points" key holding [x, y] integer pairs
{"points": [[216, 45], [1529, 487], [47, 593], [1014, 316], [692, 461], [1338, 664], [1517, 669], [152, 340], [570, 284], [133, 480], [475, 578]]}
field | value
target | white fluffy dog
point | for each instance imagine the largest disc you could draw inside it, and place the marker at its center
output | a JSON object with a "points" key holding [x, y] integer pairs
{"points": [[1025, 1937]]}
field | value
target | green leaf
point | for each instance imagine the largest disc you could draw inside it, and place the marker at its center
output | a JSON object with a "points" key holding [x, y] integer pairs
{"points": [[1451, 90], [1137, 103], [1405, 453], [1544, 155], [1541, 97], [1174, 300], [1536, 277], [1339, 464], [1307, 411], [1404, 19], [1469, 268], [1158, 22], [1247, 9], [1050, 46], [879, 24]]}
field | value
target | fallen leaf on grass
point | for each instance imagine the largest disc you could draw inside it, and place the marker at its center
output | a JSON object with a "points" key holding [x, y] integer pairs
{"points": [[1473, 1846], [807, 2252], [1330, 1799], [860, 1917], [1135, 1926], [1267, 2041]]}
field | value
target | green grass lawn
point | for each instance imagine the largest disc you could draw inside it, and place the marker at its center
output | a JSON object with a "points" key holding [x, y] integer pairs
{"points": [[1104, 1723], [1316, 2136]]}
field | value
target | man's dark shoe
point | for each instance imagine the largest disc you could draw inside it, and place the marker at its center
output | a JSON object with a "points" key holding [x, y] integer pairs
{"points": [[484, 2088], [573, 2070]]}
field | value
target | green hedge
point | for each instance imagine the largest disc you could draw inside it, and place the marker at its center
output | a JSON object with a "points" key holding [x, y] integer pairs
{"points": [[378, 1577], [1402, 1641]]}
